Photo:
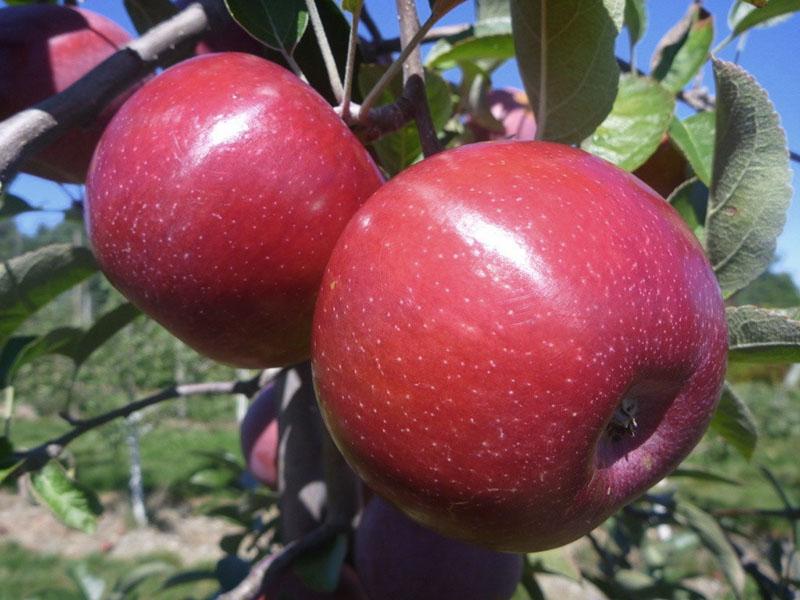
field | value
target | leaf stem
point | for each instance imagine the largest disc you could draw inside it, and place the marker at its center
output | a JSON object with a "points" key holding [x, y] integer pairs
{"points": [[351, 63], [325, 48]]}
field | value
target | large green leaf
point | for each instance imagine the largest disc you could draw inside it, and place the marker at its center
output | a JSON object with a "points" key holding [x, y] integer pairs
{"points": [[683, 50], [74, 505], [320, 569], [492, 17], [636, 125], [750, 191], [20, 350], [401, 148], [100, 332], [145, 14], [763, 334], [735, 423], [694, 137], [277, 23], [713, 538], [29, 281], [491, 47], [774, 8], [635, 20], [565, 53], [682, 199]]}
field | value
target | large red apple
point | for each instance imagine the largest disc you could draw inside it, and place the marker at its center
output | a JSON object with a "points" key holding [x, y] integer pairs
{"points": [[514, 339], [397, 559], [44, 48], [214, 199], [258, 434]]}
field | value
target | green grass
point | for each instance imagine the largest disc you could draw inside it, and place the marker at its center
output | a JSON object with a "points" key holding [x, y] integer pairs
{"points": [[26, 575], [171, 451]]}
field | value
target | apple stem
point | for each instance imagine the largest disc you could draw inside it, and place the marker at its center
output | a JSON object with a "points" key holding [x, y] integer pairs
{"points": [[351, 62], [327, 53]]}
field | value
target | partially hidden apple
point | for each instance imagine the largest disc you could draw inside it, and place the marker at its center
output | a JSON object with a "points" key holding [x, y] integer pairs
{"points": [[45, 48], [398, 559], [510, 107], [514, 339], [291, 587], [258, 434], [214, 199], [665, 170]]}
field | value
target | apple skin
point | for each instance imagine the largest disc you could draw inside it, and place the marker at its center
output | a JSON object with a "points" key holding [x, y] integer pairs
{"points": [[398, 559], [45, 48], [291, 587], [511, 108], [665, 170], [480, 322], [214, 199], [258, 434]]}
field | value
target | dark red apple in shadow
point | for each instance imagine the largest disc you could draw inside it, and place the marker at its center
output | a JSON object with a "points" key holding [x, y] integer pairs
{"points": [[214, 199], [258, 434], [510, 107], [397, 559], [514, 339], [44, 48]]}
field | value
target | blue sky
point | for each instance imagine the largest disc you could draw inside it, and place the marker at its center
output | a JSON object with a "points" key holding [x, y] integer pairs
{"points": [[771, 55]]}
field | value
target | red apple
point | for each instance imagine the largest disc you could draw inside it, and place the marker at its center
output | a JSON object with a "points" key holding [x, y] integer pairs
{"points": [[291, 587], [44, 48], [397, 559], [511, 108], [514, 339], [665, 170], [214, 199], [258, 433]]}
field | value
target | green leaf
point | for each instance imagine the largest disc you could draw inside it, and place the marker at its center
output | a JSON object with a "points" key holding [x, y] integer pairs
{"points": [[635, 20], [277, 23], [212, 478], [137, 576], [11, 206], [101, 331], [320, 569], [74, 505], [402, 148], [637, 123], [682, 199], [30, 281], [442, 7], [683, 50], [565, 52], [145, 14], [763, 334], [490, 47], [556, 561], [7, 464], [734, 422], [694, 137], [492, 17], [91, 587], [750, 191], [352, 5], [774, 8], [21, 350], [713, 538], [702, 475]]}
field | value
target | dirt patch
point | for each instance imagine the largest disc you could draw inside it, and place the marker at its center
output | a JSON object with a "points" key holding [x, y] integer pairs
{"points": [[192, 538]]}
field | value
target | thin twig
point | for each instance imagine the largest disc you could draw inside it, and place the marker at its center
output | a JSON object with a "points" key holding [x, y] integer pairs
{"points": [[434, 35], [409, 27], [33, 128], [393, 69], [351, 63], [327, 53], [414, 89], [371, 25], [35, 458]]}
